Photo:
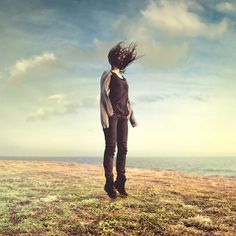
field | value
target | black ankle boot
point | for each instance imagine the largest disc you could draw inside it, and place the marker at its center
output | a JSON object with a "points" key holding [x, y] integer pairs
{"points": [[109, 188], [120, 186]]}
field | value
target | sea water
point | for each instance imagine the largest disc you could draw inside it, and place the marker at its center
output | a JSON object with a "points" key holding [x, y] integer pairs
{"points": [[223, 166]]}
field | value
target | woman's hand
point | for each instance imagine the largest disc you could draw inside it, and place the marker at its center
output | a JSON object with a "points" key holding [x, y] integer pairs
{"points": [[135, 124]]}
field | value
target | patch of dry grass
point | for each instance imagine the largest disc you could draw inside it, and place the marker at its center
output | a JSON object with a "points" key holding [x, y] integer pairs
{"points": [[59, 198]]}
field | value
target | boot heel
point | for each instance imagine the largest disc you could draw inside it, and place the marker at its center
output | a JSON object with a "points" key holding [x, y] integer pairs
{"points": [[120, 186], [109, 188]]}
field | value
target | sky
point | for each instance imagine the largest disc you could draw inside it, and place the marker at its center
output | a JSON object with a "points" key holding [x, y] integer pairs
{"points": [[182, 91]]}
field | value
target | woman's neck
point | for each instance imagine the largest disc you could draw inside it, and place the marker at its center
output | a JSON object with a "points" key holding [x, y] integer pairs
{"points": [[117, 71]]}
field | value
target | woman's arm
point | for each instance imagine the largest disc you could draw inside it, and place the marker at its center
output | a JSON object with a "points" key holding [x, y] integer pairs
{"points": [[106, 108], [105, 94], [132, 118]]}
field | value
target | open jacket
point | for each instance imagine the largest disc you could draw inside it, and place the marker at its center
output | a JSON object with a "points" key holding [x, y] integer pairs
{"points": [[106, 109]]}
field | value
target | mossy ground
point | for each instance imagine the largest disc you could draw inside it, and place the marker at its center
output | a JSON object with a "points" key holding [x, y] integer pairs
{"points": [[58, 198]]}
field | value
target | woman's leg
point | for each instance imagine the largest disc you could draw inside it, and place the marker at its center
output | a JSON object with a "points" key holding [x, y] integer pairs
{"points": [[110, 146], [122, 139]]}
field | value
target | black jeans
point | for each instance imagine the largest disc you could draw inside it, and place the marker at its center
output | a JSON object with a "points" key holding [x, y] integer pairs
{"points": [[117, 133]]}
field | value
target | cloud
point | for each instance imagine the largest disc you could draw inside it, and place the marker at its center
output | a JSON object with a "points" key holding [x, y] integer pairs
{"points": [[41, 113], [147, 98], [174, 18], [198, 98], [225, 7], [44, 113], [161, 53], [90, 102], [155, 51], [71, 107], [61, 106], [59, 98], [22, 66], [117, 22], [162, 29], [96, 53], [64, 106]]}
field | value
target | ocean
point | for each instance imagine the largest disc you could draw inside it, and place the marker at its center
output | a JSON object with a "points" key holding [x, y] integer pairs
{"points": [[221, 166]]}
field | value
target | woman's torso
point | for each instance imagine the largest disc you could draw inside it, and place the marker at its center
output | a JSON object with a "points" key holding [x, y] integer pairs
{"points": [[119, 94]]}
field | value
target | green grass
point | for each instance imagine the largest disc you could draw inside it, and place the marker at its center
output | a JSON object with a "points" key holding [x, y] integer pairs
{"points": [[57, 198]]}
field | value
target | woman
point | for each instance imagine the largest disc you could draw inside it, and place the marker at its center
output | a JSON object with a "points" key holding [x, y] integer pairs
{"points": [[115, 110]]}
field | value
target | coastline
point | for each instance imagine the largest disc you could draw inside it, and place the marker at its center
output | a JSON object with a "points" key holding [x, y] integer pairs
{"points": [[211, 166], [128, 169]]}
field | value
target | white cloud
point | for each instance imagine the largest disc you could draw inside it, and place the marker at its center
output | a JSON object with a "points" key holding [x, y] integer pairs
{"points": [[156, 51], [175, 19], [41, 113], [119, 21], [148, 98], [161, 53], [62, 106], [71, 107], [158, 29], [162, 29], [90, 102], [24, 65], [225, 7], [59, 98], [97, 53]]}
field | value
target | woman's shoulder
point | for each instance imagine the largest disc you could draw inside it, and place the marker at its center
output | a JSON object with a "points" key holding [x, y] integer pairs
{"points": [[108, 71], [106, 77]]}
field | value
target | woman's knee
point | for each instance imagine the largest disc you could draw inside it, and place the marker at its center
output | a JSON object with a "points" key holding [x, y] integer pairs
{"points": [[110, 148], [122, 149]]}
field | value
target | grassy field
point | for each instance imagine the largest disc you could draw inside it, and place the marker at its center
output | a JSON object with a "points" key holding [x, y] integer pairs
{"points": [[57, 198]]}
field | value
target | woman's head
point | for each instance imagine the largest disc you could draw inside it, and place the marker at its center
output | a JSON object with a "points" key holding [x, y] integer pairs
{"points": [[120, 56]]}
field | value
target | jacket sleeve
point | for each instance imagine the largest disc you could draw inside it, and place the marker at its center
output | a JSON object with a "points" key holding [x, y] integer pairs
{"points": [[105, 103], [132, 118], [105, 90]]}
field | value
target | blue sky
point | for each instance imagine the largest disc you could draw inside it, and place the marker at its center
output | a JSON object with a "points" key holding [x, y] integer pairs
{"points": [[183, 90]]}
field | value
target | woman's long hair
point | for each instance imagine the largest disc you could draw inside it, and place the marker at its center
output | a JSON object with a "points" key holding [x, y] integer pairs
{"points": [[121, 56]]}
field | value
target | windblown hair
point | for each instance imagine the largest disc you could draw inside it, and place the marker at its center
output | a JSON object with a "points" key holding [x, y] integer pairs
{"points": [[121, 56]]}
